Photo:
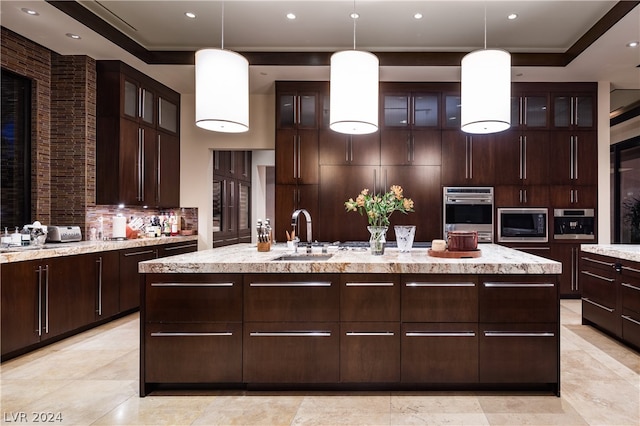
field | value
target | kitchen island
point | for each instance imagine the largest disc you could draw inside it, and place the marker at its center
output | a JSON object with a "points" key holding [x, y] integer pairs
{"points": [[236, 317]]}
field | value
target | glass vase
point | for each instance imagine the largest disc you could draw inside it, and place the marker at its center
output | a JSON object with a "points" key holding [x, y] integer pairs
{"points": [[378, 239]]}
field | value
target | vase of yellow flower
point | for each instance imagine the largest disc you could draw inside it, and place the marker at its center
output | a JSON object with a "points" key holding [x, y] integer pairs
{"points": [[378, 208]]}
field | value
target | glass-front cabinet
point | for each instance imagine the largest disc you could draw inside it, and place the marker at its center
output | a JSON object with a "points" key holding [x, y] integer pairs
{"points": [[529, 111], [409, 110], [573, 111]]}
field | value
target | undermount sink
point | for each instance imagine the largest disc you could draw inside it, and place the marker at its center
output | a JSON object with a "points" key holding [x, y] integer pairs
{"points": [[303, 257]]}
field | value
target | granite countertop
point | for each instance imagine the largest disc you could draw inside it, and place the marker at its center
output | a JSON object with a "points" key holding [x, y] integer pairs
{"points": [[244, 258], [621, 251], [18, 254]]}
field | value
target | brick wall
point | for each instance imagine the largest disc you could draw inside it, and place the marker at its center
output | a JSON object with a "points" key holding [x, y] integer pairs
{"points": [[33, 61], [73, 136]]}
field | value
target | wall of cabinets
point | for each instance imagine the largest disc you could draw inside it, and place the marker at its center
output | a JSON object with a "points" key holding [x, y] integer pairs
{"points": [[548, 158], [138, 139], [46, 300]]}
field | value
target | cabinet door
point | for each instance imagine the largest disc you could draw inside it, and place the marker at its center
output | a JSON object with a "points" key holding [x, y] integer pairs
{"points": [[563, 196], [130, 163], [129, 276], [439, 352], [173, 249], [521, 196], [21, 299], [369, 298], [568, 255], [297, 110], [71, 293], [168, 170], [573, 159], [297, 156], [439, 298], [337, 185], [168, 118], [529, 111], [417, 147], [340, 149], [130, 104], [467, 159], [150, 164], [370, 352], [422, 185], [107, 266], [574, 111], [522, 157]]}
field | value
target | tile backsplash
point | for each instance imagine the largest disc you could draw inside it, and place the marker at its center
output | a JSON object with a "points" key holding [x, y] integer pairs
{"points": [[188, 218]]}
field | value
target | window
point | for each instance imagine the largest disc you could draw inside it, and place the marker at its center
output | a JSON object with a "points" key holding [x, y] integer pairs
{"points": [[625, 193], [15, 192]]}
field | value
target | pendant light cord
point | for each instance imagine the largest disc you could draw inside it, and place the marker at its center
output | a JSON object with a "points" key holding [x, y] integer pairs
{"points": [[222, 29], [485, 26], [353, 16]]}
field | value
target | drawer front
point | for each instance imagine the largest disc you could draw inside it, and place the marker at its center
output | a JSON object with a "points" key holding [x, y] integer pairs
{"points": [[193, 298], [630, 293], [519, 353], [193, 353], [370, 352], [519, 299], [605, 317], [439, 353], [291, 352], [439, 298], [294, 297], [598, 287], [631, 328], [370, 298], [591, 261]]}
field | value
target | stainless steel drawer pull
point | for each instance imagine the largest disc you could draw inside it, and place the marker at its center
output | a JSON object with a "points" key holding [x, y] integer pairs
{"points": [[187, 334], [290, 334], [586, 299], [293, 284], [532, 248], [440, 334], [599, 262], [181, 247], [139, 253], [599, 277], [415, 284], [627, 268], [192, 284], [370, 333], [630, 286], [519, 285], [519, 334], [628, 318], [369, 284]]}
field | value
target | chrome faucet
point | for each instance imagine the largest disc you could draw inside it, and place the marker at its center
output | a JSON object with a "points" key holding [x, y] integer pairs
{"points": [[294, 224]]}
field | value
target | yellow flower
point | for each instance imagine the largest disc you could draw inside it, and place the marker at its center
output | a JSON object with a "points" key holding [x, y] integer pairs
{"points": [[360, 200], [407, 203], [397, 191], [379, 207]]}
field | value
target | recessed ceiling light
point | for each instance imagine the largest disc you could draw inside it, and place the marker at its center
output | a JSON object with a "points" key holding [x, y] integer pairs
{"points": [[190, 15], [291, 16], [512, 16], [30, 11], [417, 15], [633, 44], [73, 36], [354, 15]]}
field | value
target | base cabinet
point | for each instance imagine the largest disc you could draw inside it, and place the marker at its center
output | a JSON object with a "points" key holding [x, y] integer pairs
{"points": [[129, 277], [339, 331]]}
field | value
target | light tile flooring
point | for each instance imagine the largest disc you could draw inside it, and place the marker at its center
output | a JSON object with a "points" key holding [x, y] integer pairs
{"points": [[92, 379]]}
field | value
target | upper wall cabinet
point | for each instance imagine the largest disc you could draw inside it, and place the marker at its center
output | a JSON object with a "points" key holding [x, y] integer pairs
{"points": [[297, 108], [573, 111], [410, 110], [138, 144], [529, 111]]}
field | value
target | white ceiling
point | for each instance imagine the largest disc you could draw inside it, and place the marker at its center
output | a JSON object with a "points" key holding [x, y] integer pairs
{"points": [[543, 26]]}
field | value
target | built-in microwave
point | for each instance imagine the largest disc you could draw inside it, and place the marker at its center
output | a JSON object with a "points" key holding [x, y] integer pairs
{"points": [[523, 225]]}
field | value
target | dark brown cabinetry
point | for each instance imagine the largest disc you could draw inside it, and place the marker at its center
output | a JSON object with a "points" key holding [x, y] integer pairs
{"points": [[193, 329], [138, 147], [519, 330], [467, 159], [107, 284], [340, 149], [569, 255], [630, 300], [231, 197], [574, 110], [43, 300], [291, 329], [369, 328]]}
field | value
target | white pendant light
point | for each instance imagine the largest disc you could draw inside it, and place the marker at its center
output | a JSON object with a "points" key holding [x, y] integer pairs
{"points": [[353, 106], [486, 90], [222, 89]]}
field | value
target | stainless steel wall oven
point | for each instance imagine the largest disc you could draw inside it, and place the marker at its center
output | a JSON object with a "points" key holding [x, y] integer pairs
{"points": [[469, 209]]}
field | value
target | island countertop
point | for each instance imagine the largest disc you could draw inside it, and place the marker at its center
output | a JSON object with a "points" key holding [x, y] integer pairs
{"points": [[244, 258], [621, 251]]}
